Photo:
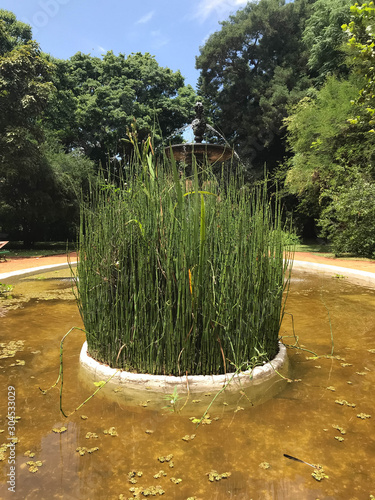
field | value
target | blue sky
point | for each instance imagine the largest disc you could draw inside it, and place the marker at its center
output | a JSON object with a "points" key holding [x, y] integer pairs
{"points": [[171, 30]]}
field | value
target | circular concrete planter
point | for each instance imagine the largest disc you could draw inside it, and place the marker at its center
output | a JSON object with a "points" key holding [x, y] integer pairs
{"points": [[254, 386]]}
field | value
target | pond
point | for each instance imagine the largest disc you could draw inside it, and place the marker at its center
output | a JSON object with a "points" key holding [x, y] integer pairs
{"points": [[324, 415]]}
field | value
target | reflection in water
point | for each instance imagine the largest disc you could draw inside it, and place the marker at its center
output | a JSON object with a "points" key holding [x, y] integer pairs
{"points": [[304, 420]]}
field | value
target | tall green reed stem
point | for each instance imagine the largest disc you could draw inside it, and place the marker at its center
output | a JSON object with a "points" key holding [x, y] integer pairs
{"points": [[179, 275]]}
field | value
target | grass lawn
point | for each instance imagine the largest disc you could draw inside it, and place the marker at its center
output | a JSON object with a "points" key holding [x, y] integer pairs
{"points": [[42, 249]]}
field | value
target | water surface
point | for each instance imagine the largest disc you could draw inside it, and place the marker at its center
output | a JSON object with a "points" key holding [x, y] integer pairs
{"points": [[301, 421]]}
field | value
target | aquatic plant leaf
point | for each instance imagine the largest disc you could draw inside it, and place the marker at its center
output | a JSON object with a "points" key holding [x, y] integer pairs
{"points": [[101, 383], [331, 388], [339, 438], [59, 430], [84, 417], [148, 431], [111, 431], [363, 416], [175, 480], [188, 437], [361, 373], [160, 474], [213, 475], [91, 435], [319, 474], [264, 465], [343, 402], [344, 365], [340, 429]]}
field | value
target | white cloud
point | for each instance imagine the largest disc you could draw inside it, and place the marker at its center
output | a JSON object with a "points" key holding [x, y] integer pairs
{"points": [[219, 8], [158, 39], [146, 18]]}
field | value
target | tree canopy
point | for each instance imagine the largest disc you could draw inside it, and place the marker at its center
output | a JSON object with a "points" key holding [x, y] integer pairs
{"points": [[99, 99], [252, 70]]}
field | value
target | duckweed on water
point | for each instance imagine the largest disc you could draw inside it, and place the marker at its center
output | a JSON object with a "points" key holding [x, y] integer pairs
{"points": [[339, 438], [59, 430], [111, 431], [363, 416], [146, 492], [84, 417], [340, 429], [82, 450], [206, 420], [264, 465], [343, 402], [176, 480], [160, 474], [10, 349], [168, 458], [188, 438], [91, 435], [215, 476], [19, 362], [319, 473], [148, 431], [34, 466], [331, 388], [29, 454]]}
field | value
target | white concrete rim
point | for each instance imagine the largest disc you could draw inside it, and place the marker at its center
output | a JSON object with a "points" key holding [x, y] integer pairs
{"points": [[193, 383], [364, 277], [32, 270]]}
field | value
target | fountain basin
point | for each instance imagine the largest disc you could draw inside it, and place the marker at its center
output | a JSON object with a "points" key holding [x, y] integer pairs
{"points": [[201, 151], [257, 385]]}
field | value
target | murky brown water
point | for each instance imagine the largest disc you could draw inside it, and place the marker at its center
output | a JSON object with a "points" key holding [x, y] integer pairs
{"points": [[299, 421]]}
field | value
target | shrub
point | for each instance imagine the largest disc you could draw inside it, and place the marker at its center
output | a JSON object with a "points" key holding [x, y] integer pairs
{"points": [[348, 221]]}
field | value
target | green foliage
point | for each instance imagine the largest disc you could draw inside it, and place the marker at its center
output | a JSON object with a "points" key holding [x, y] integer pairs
{"points": [[180, 274], [251, 71], [24, 177], [325, 39], [323, 143], [361, 31], [98, 100], [13, 33], [349, 219]]}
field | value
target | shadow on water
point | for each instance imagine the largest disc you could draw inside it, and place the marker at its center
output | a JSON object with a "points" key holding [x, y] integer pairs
{"points": [[310, 419]]}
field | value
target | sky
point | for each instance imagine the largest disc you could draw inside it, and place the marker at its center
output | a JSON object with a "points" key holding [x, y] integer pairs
{"points": [[171, 30]]}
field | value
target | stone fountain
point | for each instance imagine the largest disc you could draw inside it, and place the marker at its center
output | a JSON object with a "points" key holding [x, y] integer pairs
{"points": [[199, 149]]}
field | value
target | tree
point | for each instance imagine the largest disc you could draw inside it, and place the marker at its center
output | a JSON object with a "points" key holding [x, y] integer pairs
{"points": [[12, 32], [38, 183], [24, 92], [325, 39], [361, 32], [252, 70], [98, 100]]}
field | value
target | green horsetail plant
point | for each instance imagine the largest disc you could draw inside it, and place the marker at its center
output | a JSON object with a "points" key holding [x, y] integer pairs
{"points": [[179, 275]]}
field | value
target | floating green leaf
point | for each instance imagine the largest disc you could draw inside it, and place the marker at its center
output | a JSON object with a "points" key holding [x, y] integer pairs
{"points": [[264, 465], [111, 431], [59, 430], [213, 475], [363, 416]]}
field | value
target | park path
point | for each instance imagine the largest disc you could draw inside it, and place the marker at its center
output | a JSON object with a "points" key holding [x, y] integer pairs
{"points": [[19, 263]]}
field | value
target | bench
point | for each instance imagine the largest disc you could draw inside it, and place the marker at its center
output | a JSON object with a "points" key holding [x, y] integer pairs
{"points": [[3, 252]]}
